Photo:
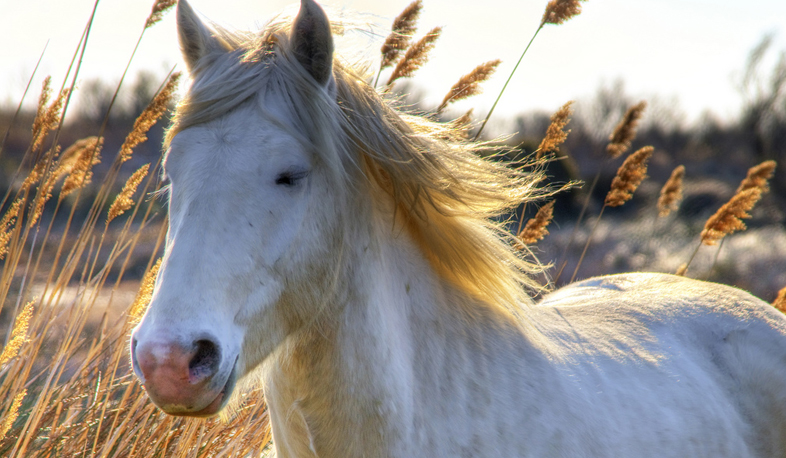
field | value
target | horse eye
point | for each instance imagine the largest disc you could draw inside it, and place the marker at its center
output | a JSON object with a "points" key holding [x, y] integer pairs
{"points": [[290, 178]]}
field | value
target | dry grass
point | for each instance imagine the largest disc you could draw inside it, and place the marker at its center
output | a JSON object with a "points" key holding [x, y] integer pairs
{"points": [[66, 388], [623, 135], [671, 192], [469, 84], [535, 229], [629, 176], [415, 57]]}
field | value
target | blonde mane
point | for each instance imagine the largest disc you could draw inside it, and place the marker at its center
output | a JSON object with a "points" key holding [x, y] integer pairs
{"points": [[449, 192]]}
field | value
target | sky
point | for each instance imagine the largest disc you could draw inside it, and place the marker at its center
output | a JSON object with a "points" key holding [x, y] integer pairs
{"points": [[685, 53]]}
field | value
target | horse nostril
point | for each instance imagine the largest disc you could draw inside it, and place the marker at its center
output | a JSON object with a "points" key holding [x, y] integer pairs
{"points": [[134, 362], [204, 364]]}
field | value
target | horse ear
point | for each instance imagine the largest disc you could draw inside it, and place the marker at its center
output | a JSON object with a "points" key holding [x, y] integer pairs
{"points": [[312, 42], [196, 41]]}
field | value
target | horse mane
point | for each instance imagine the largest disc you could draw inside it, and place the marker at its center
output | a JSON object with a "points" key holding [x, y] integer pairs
{"points": [[450, 192]]}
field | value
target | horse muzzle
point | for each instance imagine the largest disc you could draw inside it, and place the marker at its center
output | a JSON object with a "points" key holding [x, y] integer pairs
{"points": [[184, 380]]}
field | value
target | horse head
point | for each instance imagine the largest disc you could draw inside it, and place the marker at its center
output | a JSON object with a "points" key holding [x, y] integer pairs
{"points": [[247, 196]]}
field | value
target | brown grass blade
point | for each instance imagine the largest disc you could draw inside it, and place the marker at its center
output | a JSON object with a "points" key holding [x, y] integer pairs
{"points": [[18, 335], [469, 84], [559, 11], [404, 26], [88, 153], [7, 225], [556, 133], [535, 229], [671, 192], [758, 176], [629, 176], [728, 218], [123, 200], [154, 110], [158, 11], [416, 56], [623, 135]]}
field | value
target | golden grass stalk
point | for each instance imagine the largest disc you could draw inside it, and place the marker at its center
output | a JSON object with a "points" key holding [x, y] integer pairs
{"points": [[469, 84], [780, 300], [556, 133], [18, 335], [143, 296], [623, 135], [682, 269], [415, 57], [7, 225], [151, 114], [43, 100], [157, 13], [559, 11], [671, 192], [629, 176], [535, 229], [83, 155], [123, 200], [50, 119], [728, 218], [758, 176], [13, 413], [404, 26]]}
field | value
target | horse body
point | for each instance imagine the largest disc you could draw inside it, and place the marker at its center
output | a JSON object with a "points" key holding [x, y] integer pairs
{"points": [[343, 253]]}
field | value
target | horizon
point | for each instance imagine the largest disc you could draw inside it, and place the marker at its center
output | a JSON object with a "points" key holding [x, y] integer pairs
{"points": [[666, 56]]}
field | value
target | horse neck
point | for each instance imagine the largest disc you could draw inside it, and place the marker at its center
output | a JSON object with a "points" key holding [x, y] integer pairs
{"points": [[356, 374]]}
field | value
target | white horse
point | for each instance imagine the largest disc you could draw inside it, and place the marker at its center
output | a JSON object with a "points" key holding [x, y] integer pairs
{"points": [[346, 254]]}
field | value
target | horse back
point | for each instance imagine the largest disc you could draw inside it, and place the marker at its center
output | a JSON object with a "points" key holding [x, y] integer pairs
{"points": [[707, 361]]}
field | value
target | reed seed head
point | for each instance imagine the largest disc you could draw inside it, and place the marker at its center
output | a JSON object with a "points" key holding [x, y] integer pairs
{"points": [[671, 193], [556, 133], [18, 334], [43, 100], [13, 413], [123, 200], [151, 114], [728, 218], [469, 84], [7, 225], [559, 11], [780, 300], [48, 120], [629, 176], [535, 229], [144, 295], [404, 26], [88, 153], [758, 177], [416, 56], [160, 7], [623, 135], [682, 269]]}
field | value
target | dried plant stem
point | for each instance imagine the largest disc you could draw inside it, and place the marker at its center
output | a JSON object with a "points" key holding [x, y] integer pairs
{"points": [[572, 238], [505, 86], [19, 106], [586, 245]]}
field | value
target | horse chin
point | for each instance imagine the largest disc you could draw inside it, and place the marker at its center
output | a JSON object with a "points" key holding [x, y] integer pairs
{"points": [[214, 407]]}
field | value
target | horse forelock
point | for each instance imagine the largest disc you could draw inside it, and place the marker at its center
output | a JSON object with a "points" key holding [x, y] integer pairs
{"points": [[447, 189]]}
